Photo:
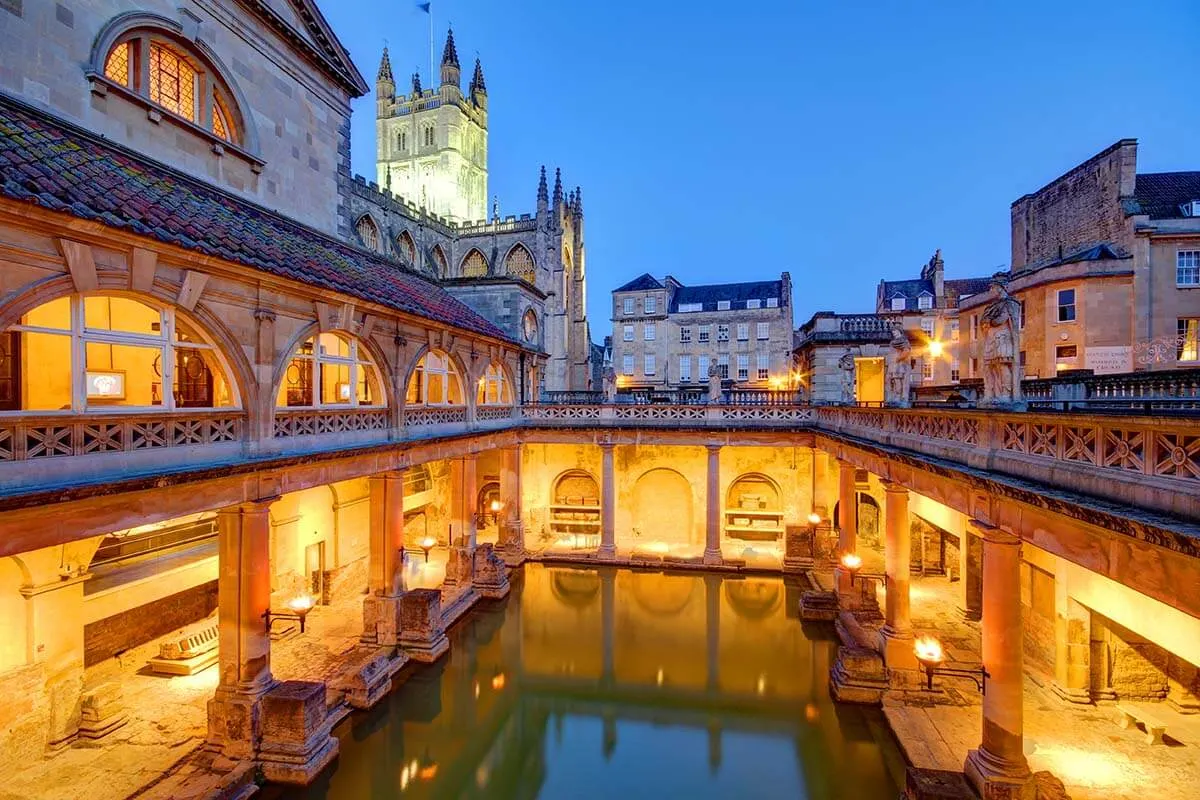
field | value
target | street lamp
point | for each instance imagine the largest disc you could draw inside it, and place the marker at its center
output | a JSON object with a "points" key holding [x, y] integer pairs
{"points": [[298, 608]]}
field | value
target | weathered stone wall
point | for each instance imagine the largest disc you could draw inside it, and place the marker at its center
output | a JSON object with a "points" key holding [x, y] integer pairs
{"points": [[300, 118], [109, 637], [24, 715], [1076, 210], [1038, 614]]}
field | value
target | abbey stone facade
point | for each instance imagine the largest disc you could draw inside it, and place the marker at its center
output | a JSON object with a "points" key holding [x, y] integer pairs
{"points": [[524, 273]]}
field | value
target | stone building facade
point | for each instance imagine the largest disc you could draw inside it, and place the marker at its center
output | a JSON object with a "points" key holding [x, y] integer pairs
{"points": [[667, 335], [1106, 267]]}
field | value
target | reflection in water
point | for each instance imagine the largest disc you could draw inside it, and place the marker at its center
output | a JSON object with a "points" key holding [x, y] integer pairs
{"points": [[610, 683]]}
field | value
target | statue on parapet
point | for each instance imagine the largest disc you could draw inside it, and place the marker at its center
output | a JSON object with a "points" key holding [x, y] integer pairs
{"points": [[999, 323], [714, 383], [899, 369], [610, 384], [846, 365]]}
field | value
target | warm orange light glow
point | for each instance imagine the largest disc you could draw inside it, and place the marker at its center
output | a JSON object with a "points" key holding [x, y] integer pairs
{"points": [[302, 604], [814, 518], [811, 712], [428, 542], [852, 562], [929, 650], [935, 348], [428, 771], [498, 681], [776, 383], [496, 505]]}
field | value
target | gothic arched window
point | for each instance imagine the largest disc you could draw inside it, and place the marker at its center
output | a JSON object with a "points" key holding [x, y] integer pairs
{"points": [[175, 78], [406, 248], [439, 261], [474, 265], [98, 351], [368, 232], [519, 263], [330, 369]]}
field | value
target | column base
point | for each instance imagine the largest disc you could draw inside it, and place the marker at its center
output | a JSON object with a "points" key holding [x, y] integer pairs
{"points": [[422, 635], [234, 722], [459, 562], [858, 676], [296, 741], [849, 592], [970, 614], [606, 552], [896, 647], [381, 621], [489, 573], [999, 779], [713, 558], [367, 676], [1072, 694], [794, 565]]}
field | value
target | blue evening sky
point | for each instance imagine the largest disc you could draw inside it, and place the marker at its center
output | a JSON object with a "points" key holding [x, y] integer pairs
{"points": [[841, 141]]}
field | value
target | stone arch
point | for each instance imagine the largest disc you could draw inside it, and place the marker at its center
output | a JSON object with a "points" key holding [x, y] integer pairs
{"points": [[128, 22], [441, 267], [519, 263], [474, 264], [284, 358], [501, 392], [576, 484], [455, 361], [115, 283], [406, 248], [663, 507], [367, 230], [751, 486]]}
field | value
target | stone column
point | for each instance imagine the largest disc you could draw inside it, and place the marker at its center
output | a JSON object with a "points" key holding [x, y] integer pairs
{"points": [[847, 532], [896, 636], [1072, 646], [824, 496], [972, 575], [997, 769], [385, 560], [608, 503], [512, 540], [243, 597], [461, 553], [712, 527]]}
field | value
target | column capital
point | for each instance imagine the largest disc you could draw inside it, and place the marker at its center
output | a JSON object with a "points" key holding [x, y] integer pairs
{"points": [[258, 506], [713, 448], [606, 446], [891, 487]]}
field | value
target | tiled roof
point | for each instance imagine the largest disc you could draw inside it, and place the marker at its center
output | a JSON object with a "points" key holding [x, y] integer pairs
{"points": [[910, 290], [736, 293], [1160, 194], [964, 287], [641, 283], [60, 167]]}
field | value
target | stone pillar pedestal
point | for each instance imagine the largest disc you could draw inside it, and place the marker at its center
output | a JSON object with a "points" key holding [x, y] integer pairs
{"points": [[511, 531], [712, 519], [243, 597], [421, 633], [896, 636], [459, 567], [998, 769], [798, 544], [381, 620], [608, 504], [296, 743], [848, 593], [490, 573]]}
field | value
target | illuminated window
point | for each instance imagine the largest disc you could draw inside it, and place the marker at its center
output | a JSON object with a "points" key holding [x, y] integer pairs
{"points": [[1189, 339], [743, 331], [1187, 268], [898, 304], [954, 370], [519, 263], [435, 382], [1066, 356], [927, 326], [89, 352], [330, 369], [954, 330], [494, 388], [754, 304], [368, 232], [772, 302], [176, 80], [474, 265], [743, 366], [926, 370], [722, 305], [925, 302]]}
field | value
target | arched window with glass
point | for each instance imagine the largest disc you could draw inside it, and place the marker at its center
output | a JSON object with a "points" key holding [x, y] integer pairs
{"points": [[98, 352], [174, 77], [494, 387], [435, 382], [330, 370], [368, 232]]}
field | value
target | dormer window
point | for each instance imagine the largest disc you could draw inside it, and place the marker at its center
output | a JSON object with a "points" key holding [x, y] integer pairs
{"points": [[1191, 208], [925, 302], [898, 303], [176, 80]]}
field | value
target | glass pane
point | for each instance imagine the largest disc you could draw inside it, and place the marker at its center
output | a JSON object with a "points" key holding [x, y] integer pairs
{"points": [[123, 375], [194, 380], [506, 398], [121, 314], [435, 391], [456, 390], [296, 387], [334, 345], [55, 314], [413, 395], [186, 333], [116, 67], [368, 386], [172, 82], [45, 372], [335, 384]]}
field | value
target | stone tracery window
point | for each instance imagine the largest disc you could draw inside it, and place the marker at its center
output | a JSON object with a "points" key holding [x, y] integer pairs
{"points": [[435, 382], [474, 265], [107, 352], [330, 369], [368, 232], [407, 248], [439, 261], [519, 263], [494, 388], [176, 79]]}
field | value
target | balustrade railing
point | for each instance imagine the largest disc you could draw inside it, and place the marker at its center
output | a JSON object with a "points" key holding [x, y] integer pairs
{"points": [[27, 438], [417, 416], [319, 421]]}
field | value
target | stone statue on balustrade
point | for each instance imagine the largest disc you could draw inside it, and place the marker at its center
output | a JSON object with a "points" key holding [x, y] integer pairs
{"points": [[610, 384], [999, 323], [714, 383], [899, 369], [846, 365]]}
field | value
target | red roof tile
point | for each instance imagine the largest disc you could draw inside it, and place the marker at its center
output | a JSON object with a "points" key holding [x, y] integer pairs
{"points": [[60, 167]]}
